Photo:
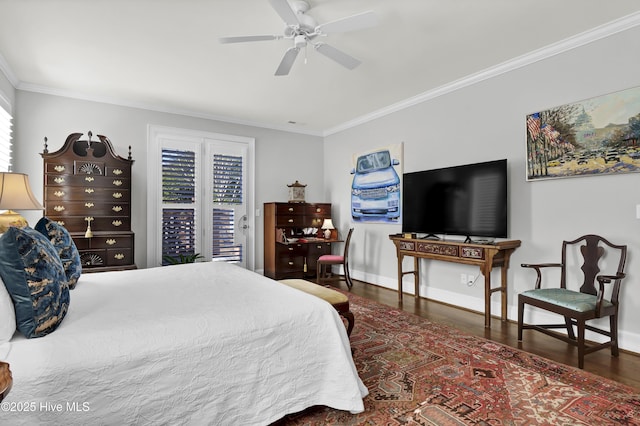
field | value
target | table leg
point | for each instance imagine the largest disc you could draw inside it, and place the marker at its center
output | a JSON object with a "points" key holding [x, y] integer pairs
{"points": [[400, 274], [416, 277], [487, 297], [503, 290]]}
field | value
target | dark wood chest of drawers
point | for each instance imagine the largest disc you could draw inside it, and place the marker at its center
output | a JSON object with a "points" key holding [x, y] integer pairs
{"points": [[296, 257], [87, 189]]}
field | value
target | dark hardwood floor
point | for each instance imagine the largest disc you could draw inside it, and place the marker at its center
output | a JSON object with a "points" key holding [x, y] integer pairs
{"points": [[624, 369]]}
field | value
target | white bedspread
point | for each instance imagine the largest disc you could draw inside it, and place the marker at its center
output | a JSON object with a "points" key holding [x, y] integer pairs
{"points": [[205, 343]]}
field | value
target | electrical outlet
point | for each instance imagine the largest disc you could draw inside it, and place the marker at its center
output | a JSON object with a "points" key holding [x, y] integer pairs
{"points": [[470, 280], [463, 278]]}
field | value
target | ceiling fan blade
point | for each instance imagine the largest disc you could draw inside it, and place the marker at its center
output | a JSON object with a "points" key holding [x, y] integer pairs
{"points": [[339, 56], [242, 39], [350, 23], [287, 61], [283, 8]]}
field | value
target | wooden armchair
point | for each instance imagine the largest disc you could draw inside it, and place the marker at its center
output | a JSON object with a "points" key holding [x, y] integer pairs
{"points": [[588, 303]]}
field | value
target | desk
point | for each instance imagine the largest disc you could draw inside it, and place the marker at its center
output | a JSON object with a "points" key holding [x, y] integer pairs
{"points": [[486, 256]]}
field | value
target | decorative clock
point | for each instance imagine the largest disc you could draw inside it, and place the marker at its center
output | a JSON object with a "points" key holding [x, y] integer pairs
{"points": [[296, 192]]}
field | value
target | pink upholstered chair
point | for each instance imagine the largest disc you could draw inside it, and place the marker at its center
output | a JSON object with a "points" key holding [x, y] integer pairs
{"points": [[328, 260]]}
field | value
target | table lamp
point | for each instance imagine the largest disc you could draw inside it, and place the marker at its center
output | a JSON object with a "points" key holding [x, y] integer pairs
{"points": [[327, 225], [15, 193]]}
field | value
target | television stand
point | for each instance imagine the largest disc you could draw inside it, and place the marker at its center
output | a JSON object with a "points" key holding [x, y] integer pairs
{"points": [[430, 237], [486, 256]]}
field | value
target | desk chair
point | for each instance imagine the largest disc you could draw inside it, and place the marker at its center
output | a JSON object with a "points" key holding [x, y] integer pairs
{"points": [[331, 259]]}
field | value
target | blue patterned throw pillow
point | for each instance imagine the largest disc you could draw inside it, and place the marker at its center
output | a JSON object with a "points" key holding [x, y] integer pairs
{"points": [[35, 279], [66, 248]]}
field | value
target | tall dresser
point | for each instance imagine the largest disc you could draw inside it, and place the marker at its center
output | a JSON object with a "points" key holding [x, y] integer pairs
{"points": [[87, 189], [289, 251]]}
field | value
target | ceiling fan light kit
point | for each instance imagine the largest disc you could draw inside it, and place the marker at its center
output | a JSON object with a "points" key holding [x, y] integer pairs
{"points": [[303, 29]]}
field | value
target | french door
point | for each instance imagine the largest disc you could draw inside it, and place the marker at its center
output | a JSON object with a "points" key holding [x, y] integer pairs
{"points": [[200, 194]]}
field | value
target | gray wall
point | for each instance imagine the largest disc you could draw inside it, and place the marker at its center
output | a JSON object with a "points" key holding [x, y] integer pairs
{"points": [[38, 115], [486, 121]]}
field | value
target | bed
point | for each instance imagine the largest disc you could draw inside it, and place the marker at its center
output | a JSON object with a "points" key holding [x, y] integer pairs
{"points": [[203, 343]]}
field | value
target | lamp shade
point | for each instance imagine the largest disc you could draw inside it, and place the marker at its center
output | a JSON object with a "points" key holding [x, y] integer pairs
{"points": [[328, 224], [15, 193]]}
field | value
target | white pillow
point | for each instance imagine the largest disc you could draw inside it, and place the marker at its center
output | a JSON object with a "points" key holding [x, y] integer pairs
{"points": [[7, 315]]}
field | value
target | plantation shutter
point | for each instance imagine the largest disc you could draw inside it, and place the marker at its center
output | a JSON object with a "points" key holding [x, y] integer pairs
{"points": [[179, 203], [5, 140], [200, 190], [227, 192]]}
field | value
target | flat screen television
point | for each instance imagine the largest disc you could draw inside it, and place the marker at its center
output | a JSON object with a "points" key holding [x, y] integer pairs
{"points": [[468, 200]]}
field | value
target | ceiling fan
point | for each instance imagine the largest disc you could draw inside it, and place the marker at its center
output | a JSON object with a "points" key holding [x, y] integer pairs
{"points": [[303, 30]]}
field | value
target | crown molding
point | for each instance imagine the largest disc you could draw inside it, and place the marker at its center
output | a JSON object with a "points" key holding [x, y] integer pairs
{"points": [[8, 72], [153, 107], [594, 34]]}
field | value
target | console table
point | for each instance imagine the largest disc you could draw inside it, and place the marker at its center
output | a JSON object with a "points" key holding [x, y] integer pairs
{"points": [[486, 256]]}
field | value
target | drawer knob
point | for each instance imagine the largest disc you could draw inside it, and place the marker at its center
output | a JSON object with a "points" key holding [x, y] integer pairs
{"points": [[116, 223], [290, 263], [59, 168], [89, 190], [290, 209], [59, 193], [117, 172], [58, 208], [290, 248], [290, 221], [59, 180], [119, 256], [116, 208], [111, 241], [117, 195], [60, 222], [89, 205], [89, 178], [117, 182]]}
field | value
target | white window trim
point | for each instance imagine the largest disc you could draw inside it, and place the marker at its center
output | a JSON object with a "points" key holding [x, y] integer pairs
{"points": [[154, 180]]}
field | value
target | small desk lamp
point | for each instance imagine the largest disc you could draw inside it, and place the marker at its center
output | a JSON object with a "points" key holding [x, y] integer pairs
{"points": [[327, 225], [15, 193]]}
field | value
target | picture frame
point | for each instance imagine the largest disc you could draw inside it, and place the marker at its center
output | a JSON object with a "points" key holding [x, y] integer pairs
{"points": [[596, 136]]}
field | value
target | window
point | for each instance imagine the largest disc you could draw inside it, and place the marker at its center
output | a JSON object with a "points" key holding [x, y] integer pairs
{"points": [[199, 196], [228, 192], [178, 200]]}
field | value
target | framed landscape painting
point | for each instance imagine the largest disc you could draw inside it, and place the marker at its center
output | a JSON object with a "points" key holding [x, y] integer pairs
{"points": [[596, 136]]}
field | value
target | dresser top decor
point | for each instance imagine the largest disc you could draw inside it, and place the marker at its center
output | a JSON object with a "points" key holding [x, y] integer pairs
{"points": [[85, 148]]}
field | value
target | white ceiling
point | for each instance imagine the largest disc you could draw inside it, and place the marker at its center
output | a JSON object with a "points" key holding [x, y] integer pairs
{"points": [[165, 54]]}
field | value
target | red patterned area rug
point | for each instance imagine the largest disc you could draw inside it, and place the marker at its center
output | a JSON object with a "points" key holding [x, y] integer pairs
{"points": [[422, 373]]}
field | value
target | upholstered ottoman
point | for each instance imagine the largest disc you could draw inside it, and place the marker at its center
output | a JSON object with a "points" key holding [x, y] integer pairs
{"points": [[338, 300]]}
